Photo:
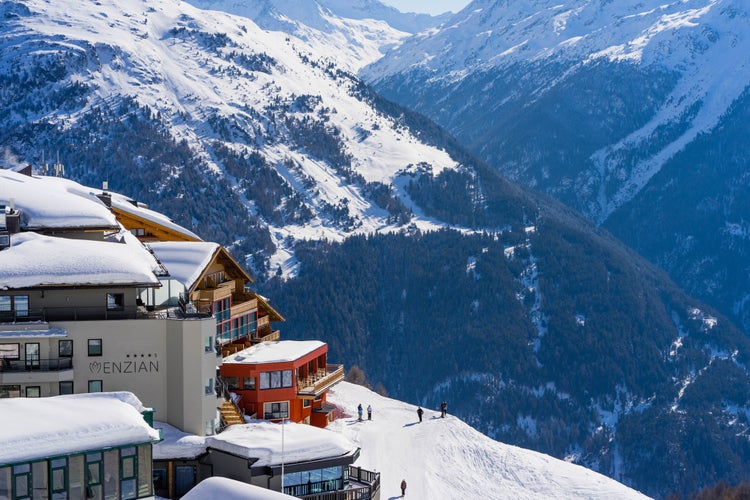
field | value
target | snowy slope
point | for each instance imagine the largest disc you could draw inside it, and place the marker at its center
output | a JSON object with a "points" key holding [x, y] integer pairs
{"points": [[447, 459], [218, 80], [355, 33], [705, 42]]}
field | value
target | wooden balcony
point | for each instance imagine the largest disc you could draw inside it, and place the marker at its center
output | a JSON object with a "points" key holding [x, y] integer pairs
{"points": [[222, 291], [266, 335], [316, 384], [243, 303]]}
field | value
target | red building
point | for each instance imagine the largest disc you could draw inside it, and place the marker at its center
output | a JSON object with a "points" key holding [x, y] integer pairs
{"points": [[283, 380]]}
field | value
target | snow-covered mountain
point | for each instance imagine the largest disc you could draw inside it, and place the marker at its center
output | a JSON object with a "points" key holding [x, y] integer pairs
{"points": [[631, 112], [355, 32], [540, 329], [447, 459]]}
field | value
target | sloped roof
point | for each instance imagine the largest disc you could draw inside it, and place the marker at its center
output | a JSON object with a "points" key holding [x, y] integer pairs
{"points": [[32, 428], [34, 260], [140, 212], [54, 203], [185, 260]]}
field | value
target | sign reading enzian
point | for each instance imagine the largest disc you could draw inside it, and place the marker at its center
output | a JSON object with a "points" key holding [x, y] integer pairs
{"points": [[129, 366]]}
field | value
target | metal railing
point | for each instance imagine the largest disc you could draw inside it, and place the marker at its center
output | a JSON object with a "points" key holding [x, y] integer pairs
{"points": [[36, 364], [369, 489]]}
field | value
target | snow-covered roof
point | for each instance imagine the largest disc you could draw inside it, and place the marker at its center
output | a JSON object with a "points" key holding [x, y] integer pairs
{"points": [[262, 440], [54, 202], [274, 352], [185, 260], [35, 260], [135, 209], [176, 444], [39, 332], [222, 488], [32, 428]]}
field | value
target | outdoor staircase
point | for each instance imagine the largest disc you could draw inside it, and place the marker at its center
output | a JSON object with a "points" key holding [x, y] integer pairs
{"points": [[230, 414]]}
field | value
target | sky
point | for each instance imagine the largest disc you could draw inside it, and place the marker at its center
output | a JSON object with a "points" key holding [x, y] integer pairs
{"points": [[429, 6]]}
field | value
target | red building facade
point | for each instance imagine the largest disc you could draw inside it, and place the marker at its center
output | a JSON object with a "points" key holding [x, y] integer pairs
{"points": [[283, 380]]}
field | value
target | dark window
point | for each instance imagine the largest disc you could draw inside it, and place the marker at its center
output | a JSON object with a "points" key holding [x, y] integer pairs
{"points": [[66, 387], [95, 347], [33, 391], [65, 348], [115, 301], [10, 391], [95, 386], [248, 383]]}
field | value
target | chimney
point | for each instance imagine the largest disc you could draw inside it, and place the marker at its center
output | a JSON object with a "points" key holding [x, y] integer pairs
{"points": [[12, 218]]}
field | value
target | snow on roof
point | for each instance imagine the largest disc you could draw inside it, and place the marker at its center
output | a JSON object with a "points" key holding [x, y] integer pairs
{"points": [[274, 352], [35, 260], [222, 488], [39, 332], [53, 202], [176, 444], [33, 428], [135, 209], [262, 440], [185, 260]]}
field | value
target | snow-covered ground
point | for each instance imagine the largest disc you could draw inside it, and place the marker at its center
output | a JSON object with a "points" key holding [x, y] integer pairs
{"points": [[447, 459]]}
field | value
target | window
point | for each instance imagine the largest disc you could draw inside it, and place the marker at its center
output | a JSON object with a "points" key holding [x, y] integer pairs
{"points": [[208, 346], [95, 347], [276, 379], [209, 389], [95, 386], [276, 410], [10, 351], [66, 387], [21, 305], [115, 301], [306, 403], [65, 348], [94, 467], [33, 391], [22, 481], [232, 382], [248, 383], [58, 476], [138, 231], [10, 391], [128, 471]]}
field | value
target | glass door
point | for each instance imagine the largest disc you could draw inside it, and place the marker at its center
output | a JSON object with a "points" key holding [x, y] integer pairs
{"points": [[32, 356]]}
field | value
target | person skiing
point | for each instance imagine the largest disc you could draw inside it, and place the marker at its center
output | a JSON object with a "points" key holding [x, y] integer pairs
{"points": [[403, 487], [443, 409], [420, 411], [369, 412], [359, 411]]}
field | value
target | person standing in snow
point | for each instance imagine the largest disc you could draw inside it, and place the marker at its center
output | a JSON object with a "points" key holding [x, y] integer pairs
{"points": [[403, 487], [420, 411], [359, 412], [369, 412], [443, 409]]}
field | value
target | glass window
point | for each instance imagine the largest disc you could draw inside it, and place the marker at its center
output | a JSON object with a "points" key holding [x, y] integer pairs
{"points": [[286, 378], [33, 391], [5, 482], [65, 348], [209, 389], [21, 305], [58, 472], [95, 347], [306, 403], [265, 380], [10, 391], [248, 383], [115, 301], [275, 380], [209, 344], [66, 387], [39, 478], [95, 386], [22, 481], [111, 475], [145, 477], [5, 305], [10, 351], [232, 382], [276, 410], [128, 468]]}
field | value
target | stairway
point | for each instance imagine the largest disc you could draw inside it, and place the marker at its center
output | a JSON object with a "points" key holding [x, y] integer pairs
{"points": [[230, 414]]}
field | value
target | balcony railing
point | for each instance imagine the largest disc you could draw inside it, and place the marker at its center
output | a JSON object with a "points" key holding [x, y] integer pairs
{"points": [[363, 485], [76, 313], [36, 365], [317, 383]]}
